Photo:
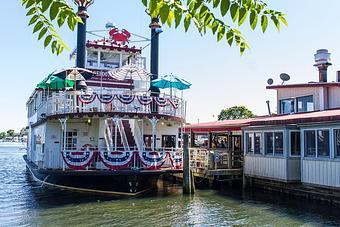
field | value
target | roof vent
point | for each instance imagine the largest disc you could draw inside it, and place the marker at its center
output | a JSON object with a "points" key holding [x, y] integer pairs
{"points": [[322, 61]]}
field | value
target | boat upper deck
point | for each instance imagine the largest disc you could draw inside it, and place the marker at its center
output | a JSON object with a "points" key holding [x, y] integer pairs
{"points": [[119, 102]]}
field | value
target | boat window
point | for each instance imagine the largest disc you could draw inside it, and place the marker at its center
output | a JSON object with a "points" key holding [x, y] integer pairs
{"points": [[286, 106], [92, 58], [269, 142], [305, 104], [257, 143], [148, 140], [323, 143], [71, 140], [310, 143], [278, 143], [169, 141], [337, 142], [109, 60], [250, 142], [295, 144]]}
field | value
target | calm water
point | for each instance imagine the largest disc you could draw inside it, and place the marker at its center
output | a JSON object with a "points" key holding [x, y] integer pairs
{"points": [[24, 203]]}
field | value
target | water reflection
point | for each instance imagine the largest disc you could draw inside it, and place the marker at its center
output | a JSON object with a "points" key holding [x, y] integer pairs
{"points": [[24, 202]]}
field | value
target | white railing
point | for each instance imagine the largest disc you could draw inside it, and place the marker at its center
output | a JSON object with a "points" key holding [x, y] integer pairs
{"points": [[67, 102], [102, 159]]}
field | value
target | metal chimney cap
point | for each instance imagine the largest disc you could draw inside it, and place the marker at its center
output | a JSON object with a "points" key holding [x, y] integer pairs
{"points": [[322, 57]]}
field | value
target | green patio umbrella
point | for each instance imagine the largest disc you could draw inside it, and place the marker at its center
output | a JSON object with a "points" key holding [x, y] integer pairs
{"points": [[55, 83]]}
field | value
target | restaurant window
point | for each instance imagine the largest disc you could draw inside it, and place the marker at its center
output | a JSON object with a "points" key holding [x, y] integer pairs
{"points": [[268, 140], [71, 140], [220, 141], [337, 142], [278, 143], [169, 141], [201, 140], [295, 144], [305, 104], [310, 143], [286, 106], [257, 143], [236, 143], [323, 143], [250, 142]]}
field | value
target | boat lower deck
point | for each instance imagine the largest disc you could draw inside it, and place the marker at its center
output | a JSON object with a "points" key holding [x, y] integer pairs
{"points": [[119, 182]]}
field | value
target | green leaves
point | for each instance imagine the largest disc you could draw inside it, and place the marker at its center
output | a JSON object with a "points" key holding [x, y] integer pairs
{"points": [[253, 19], [46, 14], [56, 10], [224, 7], [264, 23]]}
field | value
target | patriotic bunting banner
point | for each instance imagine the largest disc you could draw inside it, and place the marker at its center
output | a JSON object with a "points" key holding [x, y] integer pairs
{"points": [[174, 103], [161, 102], [152, 160], [126, 99], [78, 160], [86, 99], [176, 159], [145, 100], [116, 160], [105, 98]]}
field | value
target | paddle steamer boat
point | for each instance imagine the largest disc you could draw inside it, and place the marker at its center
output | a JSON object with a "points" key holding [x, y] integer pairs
{"points": [[103, 129]]}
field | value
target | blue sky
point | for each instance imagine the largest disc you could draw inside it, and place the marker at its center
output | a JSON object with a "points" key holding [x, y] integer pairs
{"points": [[220, 76]]}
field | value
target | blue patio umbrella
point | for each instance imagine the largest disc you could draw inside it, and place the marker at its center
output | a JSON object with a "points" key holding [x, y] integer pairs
{"points": [[171, 81]]}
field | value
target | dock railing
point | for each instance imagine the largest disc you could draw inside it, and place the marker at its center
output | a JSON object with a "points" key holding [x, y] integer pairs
{"points": [[204, 160]]}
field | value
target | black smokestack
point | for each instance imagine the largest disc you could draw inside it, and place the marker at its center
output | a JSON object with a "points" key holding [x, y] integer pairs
{"points": [[154, 56], [322, 61], [81, 37]]}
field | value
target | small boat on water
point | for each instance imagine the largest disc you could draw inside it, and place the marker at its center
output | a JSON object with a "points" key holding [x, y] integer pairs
{"points": [[101, 128]]}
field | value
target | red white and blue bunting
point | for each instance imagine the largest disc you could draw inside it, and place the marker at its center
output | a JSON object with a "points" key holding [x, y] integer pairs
{"points": [[126, 99], [105, 98], [176, 159], [145, 100], [79, 160], [174, 103], [86, 99], [153, 160], [161, 102], [116, 160]]}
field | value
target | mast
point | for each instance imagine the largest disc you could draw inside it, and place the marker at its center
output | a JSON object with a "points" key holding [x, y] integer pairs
{"points": [[81, 31]]}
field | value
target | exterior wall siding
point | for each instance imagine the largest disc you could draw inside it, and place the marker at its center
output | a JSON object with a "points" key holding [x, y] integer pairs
{"points": [[333, 97], [321, 172], [267, 167]]}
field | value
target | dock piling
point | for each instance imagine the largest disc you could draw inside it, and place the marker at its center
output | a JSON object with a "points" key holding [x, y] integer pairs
{"points": [[187, 184]]}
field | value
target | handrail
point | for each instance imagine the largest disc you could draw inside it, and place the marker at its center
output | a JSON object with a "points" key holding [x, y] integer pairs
{"points": [[137, 135], [121, 128]]}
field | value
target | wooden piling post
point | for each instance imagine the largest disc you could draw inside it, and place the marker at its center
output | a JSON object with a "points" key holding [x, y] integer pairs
{"points": [[186, 166]]}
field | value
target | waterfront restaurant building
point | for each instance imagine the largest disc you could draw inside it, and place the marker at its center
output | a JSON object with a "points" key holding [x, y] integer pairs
{"points": [[300, 144]]}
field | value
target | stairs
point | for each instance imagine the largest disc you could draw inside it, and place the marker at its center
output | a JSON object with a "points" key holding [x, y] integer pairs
{"points": [[128, 133]]}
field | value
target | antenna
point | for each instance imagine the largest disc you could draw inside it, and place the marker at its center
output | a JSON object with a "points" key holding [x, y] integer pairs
{"points": [[270, 81], [284, 77]]}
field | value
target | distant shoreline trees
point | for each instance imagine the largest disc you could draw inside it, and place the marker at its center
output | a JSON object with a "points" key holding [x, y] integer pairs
{"points": [[11, 133]]}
